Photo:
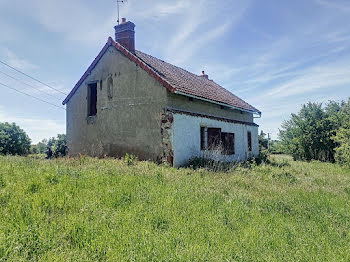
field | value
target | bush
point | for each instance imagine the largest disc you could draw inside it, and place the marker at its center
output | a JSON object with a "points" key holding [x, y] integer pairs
{"points": [[13, 140], [262, 158], [56, 147]]}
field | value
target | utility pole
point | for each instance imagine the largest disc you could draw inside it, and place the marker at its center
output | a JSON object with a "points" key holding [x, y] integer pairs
{"points": [[268, 142]]}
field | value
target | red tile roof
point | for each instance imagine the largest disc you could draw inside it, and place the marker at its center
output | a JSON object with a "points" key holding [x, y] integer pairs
{"points": [[175, 79]]}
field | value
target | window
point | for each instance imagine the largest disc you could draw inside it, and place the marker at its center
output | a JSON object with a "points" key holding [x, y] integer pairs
{"points": [[249, 141], [217, 140], [92, 99], [228, 143], [110, 88], [214, 138], [203, 138]]}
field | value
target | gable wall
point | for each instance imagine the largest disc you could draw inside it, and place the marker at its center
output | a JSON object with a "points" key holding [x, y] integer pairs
{"points": [[127, 123]]}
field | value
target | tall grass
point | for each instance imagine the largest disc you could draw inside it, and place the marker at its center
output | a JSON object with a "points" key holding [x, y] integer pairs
{"points": [[87, 209]]}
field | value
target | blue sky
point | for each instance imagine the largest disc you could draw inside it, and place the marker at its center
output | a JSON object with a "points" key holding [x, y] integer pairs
{"points": [[274, 54]]}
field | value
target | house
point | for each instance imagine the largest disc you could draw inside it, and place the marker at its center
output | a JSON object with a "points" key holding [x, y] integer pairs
{"points": [[130, 102]]}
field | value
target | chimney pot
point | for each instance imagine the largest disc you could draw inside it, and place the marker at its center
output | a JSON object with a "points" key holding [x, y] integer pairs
{"points": [[125, 35], [204, 75]]}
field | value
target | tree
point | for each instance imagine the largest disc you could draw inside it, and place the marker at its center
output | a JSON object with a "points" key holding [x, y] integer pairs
{"points": [[39, 148], [263, 141], [307, 135], [60, 146], [342, 136], [56, 147], [13, 140], [319, 133]]}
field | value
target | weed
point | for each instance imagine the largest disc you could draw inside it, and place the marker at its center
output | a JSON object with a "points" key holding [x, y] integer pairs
{"points": [[285, 176], [33, 188], [2, 181], [160, 223], [129, 159], [123, 201], [52, 179]]}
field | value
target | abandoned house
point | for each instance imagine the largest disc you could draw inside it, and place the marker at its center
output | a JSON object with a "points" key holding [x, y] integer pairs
{"points": [[130, 102]]}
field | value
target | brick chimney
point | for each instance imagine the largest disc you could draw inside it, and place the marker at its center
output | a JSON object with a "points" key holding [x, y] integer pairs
{"points": [[125, 34], [204, 75]]}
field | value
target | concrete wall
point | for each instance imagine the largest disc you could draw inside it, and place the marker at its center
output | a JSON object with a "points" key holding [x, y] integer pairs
{"points": [[186, 139], [199, 106], [129, 122]]}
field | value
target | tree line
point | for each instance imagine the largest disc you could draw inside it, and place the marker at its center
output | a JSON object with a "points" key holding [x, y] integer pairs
{"points": [[15, 141], [318, 132]]}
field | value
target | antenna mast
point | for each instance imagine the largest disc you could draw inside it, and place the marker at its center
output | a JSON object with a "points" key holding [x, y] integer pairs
{"points": [[118, 2]]}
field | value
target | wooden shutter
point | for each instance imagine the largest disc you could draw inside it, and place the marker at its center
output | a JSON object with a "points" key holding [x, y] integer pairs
{"points": [[214, 138], [249, 141]]}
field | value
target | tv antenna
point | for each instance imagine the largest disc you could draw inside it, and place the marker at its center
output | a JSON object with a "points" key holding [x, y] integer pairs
{"points": [[120, 2]]}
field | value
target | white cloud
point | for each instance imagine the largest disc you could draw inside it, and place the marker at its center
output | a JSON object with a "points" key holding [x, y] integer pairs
{"points": [[339, 5], [312, 79], [13, 60]]}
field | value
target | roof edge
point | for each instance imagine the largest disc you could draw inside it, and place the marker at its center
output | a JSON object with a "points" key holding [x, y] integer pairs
{"points": [[149, 70], [129, 55], [218, 103]]}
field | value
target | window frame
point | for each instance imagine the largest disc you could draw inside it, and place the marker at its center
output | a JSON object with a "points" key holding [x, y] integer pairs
{"points": [[228, 143], [249, 141], [92, 112], [213, 145]]}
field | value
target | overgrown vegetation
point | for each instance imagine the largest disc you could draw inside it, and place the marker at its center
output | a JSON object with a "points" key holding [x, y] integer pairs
{"points": [[319, 133], [53, 148], [88, 209], [13, 140]]}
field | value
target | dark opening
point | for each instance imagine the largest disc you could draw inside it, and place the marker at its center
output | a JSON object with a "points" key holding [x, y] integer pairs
{"points": [[92, 99], [249, 141], [202, 138], [191, 99], [228, 142], [214, 138]]}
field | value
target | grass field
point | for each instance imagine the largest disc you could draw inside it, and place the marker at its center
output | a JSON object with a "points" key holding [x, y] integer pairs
{"points": [[105, 210]]}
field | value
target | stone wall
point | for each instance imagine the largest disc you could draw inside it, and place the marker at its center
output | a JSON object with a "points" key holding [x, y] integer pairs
{"points": [[167, 154]]}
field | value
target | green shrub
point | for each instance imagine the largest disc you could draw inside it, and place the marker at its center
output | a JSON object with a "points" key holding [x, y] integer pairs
{"points": [[262, 158], [13, 140]]}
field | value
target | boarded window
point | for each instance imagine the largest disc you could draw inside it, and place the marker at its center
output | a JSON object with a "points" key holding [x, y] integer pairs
{"points": [[228, 143], [214, 138], [92, 99], [110, 88], [249, 141], [203, 147]]}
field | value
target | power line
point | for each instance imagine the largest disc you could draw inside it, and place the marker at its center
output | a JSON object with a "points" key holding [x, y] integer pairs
{"points": [[39, 99], [29, 85], [32, 78]]}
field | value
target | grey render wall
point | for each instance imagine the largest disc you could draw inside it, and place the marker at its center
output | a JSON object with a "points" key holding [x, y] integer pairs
{"points": [[199, 106], [127, 123]]}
